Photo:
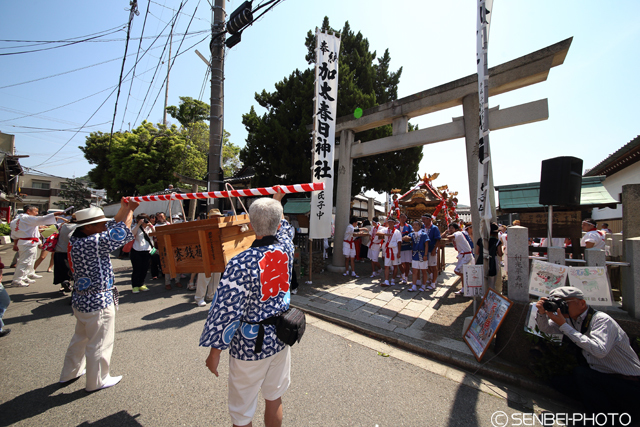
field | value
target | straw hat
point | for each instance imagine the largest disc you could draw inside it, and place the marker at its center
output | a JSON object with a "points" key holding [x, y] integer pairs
{"points": [[91, 215], [214, 212]]}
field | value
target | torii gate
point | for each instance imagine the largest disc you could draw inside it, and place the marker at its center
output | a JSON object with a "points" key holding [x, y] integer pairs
{"points": [[524, 71]]}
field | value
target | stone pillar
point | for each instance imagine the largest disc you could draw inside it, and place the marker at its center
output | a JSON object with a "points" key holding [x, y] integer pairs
{"points": [[631, 276], [631, 210], [595, 257], [616, 245], [556, 255], [343, 197], [400, 125], [518, 263]]}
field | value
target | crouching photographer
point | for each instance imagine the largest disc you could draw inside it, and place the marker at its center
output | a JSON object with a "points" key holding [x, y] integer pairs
{"points": [[607, 378]]}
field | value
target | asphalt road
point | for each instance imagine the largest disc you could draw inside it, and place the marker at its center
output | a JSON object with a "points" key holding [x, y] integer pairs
{"points": [[338, 378]]}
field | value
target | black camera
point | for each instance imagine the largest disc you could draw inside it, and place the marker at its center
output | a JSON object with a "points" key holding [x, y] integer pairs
{"points": [[146, 221], [553, 304]]}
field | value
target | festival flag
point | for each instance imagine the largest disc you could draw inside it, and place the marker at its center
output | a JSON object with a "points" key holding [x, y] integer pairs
{"points": [[324, 131], [484, 155]]}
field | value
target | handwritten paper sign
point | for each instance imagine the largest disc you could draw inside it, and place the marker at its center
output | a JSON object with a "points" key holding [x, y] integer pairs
{"points": [[545, 277], [593, 282], [473, 280]]}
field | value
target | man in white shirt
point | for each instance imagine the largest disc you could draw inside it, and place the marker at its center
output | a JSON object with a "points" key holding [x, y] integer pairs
{"points": [[24, 228], [391, 247], [375, 243], [349, 246], [461, 244], [593, 238]]}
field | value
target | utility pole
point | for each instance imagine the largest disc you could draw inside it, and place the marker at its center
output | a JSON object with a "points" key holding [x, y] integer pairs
{"points": [[216, 116], [166, 92]]}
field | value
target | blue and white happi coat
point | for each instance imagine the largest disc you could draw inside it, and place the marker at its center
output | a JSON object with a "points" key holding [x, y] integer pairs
{"points": [[91, 265], [253, 287]]}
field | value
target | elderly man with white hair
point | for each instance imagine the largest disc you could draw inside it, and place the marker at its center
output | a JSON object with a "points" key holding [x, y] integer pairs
{"points": [[254, 287]]}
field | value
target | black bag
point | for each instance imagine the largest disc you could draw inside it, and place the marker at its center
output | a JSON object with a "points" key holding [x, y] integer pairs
{"points": [[290, 327]]}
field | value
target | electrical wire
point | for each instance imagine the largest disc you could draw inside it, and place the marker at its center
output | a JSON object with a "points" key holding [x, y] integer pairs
{"points": [[174, 59], [157, 67], [94, 65], [56, 47], [41, 42], [132, 13], [54, 130], [135, 64], [173, 10]]}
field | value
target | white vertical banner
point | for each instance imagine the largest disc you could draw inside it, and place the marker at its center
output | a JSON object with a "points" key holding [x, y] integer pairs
{"points": [[324, 133], [484, 157]]}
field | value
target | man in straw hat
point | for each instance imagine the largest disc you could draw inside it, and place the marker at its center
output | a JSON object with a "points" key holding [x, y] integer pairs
{"points": [[607, 376], [95, 297]]}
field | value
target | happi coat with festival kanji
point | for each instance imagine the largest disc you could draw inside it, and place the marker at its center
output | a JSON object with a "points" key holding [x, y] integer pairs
{"points": [[254, 286]]}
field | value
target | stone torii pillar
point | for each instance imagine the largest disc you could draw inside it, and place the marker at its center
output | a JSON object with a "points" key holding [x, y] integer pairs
{"points": [[524, 71]]}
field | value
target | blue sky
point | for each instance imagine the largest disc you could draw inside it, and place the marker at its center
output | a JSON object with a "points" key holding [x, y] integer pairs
{"points": [[592, 96]]}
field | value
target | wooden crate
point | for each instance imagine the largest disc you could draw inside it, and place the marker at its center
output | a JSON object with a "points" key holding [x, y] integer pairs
{"points": [[202, 246]]}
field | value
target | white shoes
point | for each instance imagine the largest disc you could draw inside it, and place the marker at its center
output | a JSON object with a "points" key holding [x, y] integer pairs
{"points": [[346, 273], [353, 274], [422, 289], [34, 276], [201, 303], [109, 382], [84, 371], [413, 288], [385, 283], [28, 280], [18, 285]]}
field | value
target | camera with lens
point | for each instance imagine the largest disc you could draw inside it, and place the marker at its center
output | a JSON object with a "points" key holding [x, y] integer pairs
{"points": [[146, 221], [553, 304]]}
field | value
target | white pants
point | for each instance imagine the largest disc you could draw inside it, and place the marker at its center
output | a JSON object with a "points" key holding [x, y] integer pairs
{"points": [[91, 346], [246, 378], [206, 286], [27, 255]]}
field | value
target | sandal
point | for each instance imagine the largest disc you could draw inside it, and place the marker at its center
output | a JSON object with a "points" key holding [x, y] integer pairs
{"points": [[191, 287], [167, 287]]}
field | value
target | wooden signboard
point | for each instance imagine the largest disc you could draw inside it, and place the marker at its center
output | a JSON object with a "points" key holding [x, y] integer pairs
{"points": [[565, 224], [485, 323], [202, 246]]}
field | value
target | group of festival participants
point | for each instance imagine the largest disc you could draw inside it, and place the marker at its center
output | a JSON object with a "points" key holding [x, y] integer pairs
{"points": [[411, 250]]}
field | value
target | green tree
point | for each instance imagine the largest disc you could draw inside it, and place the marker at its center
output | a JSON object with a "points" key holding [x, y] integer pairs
{"points": [[189, 111], [75, 194], [230, 161], [192, 114], [279, 144], [142, 161]]}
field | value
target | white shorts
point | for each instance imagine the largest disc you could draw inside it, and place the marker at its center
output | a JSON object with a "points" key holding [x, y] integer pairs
{"points": [[405, 256], [462, 261], [374, 253], [433, 259], [246, 378], [419, 265], [388, 261], [349, 252]]}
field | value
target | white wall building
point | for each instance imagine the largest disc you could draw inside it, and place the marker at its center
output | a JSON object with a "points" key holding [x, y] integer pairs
{"points": [[620, 168]]}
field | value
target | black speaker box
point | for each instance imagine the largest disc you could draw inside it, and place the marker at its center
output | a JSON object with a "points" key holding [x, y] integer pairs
{"points": [[561, 181]]}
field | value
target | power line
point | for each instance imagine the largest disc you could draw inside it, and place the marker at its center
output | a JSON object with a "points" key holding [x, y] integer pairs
{"points": [[157, 67], [166, 7], [55, 47], [174, 59], [136, 63], [93, 65], [40, 42], [132, 12]]}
